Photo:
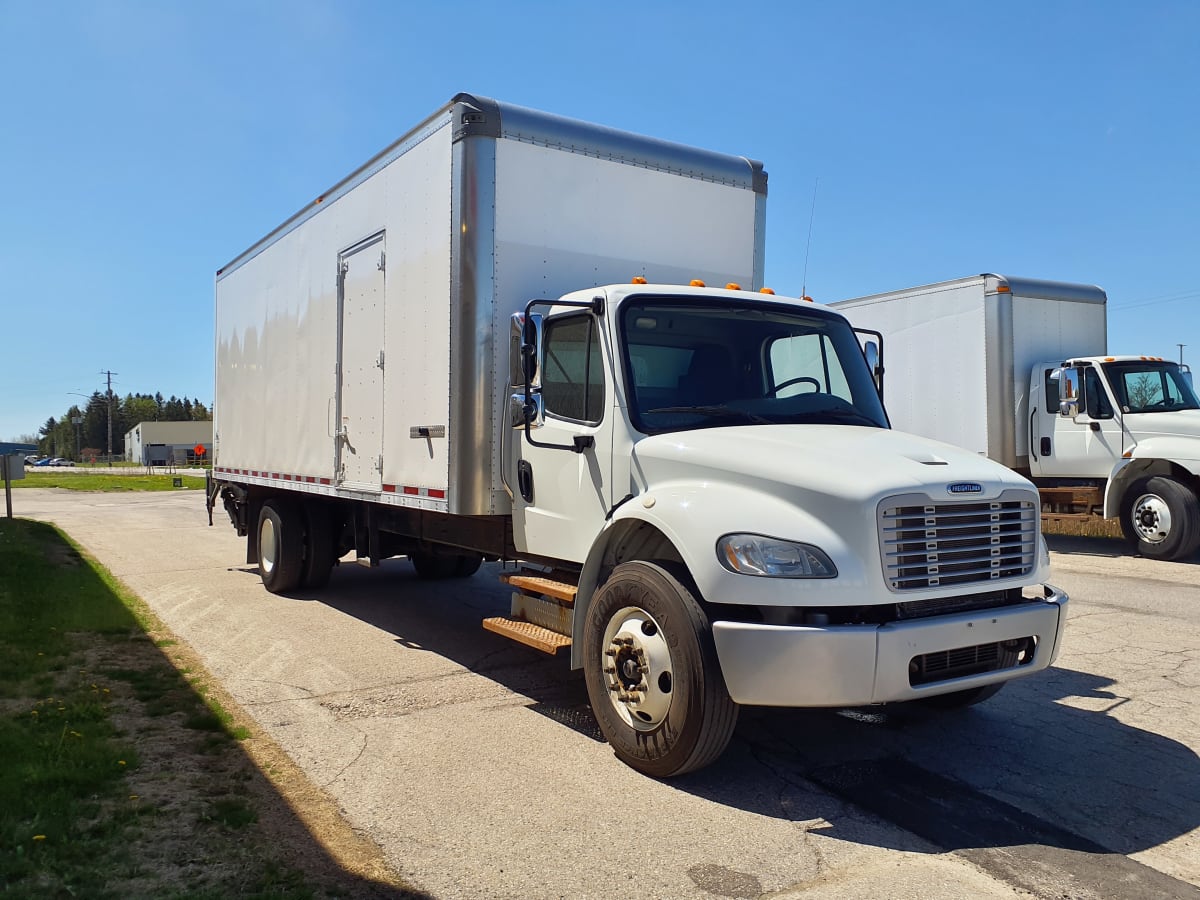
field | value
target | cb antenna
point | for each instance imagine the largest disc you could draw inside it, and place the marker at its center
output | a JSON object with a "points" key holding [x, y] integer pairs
{"points": [[808, 245]]}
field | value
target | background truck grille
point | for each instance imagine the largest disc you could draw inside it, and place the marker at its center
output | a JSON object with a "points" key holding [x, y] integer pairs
{"points": [[926, 544]]}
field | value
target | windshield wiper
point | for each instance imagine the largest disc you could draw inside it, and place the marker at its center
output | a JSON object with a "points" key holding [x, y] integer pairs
{"points": [[716, 411], [851, 414]]}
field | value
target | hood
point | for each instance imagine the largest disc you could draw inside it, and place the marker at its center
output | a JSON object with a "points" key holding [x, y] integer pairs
{"points": [[1182, 423], [856, 463]]}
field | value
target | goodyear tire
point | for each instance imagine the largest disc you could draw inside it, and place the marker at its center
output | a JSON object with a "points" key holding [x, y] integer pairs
{"points": [[281, 545], [1160, 517], [652, 674]]}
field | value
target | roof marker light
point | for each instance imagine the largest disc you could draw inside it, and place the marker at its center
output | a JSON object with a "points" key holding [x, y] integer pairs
{"points": [[766, 290], [638, 279], [696, 282], [733, 286]]}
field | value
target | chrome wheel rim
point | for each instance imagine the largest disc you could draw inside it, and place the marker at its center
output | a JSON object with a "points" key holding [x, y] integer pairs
{"points": [[638, 671], [1151, 518], [267, 545]]}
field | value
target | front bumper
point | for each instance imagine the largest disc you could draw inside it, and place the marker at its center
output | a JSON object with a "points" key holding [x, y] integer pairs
{"points": [[857, 665]]}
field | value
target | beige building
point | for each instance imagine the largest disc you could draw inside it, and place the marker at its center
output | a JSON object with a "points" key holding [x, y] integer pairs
{"points": [[160, 443]]}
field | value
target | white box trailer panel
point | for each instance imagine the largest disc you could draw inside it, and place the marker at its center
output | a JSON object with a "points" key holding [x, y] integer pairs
{"points": [[362, 347], [959, 354]]}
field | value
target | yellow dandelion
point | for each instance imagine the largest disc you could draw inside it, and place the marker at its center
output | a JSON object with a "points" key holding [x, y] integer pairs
{"points": [[39, 837], [76, 734], [33, 712], [133, 796], [120, 762]]}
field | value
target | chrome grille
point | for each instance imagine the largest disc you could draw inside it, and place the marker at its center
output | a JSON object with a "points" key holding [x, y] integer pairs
{"points": [[926, 544]]}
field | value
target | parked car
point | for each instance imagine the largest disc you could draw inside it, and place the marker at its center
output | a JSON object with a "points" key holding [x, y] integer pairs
{"points": [[44, 462], [59, 461]]}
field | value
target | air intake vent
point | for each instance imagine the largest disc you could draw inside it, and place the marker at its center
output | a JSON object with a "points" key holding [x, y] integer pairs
{"points": [[927, 544]]}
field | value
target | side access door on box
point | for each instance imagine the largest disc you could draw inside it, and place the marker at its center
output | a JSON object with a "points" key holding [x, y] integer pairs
{"points": [[358, 454]]}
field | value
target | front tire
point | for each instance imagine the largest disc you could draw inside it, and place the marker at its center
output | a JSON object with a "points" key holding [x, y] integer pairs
{"points": [[1160, 517], [281, 545], [652, 673]]}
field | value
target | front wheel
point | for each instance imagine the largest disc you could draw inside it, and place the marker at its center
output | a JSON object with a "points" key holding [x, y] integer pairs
{"points": [[652, 674], [1161, 518]]}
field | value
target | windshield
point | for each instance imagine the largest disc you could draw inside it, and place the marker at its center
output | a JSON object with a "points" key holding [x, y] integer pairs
{"points": [[700, 364], [1150, 386]]}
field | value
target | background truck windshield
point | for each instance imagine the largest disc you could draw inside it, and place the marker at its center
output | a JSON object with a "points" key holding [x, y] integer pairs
{"points": [[1150, 387], [696, 364]]}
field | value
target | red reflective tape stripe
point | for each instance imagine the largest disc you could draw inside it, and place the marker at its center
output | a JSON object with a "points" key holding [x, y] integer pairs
{"points": [[412, 491], [434, 492], [389, 488], [324, 481]]}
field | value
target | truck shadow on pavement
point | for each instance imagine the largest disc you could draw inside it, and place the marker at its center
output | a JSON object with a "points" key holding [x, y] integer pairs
{"points": [[1108, 548], [1046, 762]]}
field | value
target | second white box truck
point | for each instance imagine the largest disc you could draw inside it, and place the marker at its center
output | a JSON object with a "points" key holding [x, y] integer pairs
{"points": [[454, 355], [1017, 369]]}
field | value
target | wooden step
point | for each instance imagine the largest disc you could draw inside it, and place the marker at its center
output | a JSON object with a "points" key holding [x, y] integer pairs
{"points": [[532, 583], [527, 633]]}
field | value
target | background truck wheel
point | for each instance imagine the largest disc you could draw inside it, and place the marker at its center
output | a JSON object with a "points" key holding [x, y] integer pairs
{"points": [[319, 552], [431, 566], [281, 545], [1161, 518], [652, 674]]}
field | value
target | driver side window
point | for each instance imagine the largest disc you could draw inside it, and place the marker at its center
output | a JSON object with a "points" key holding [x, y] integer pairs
{"points": [[572, 370], [1094, 396]]}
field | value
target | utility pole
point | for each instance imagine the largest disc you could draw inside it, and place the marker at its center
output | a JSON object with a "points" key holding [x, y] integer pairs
{"points": [[110, 411]]}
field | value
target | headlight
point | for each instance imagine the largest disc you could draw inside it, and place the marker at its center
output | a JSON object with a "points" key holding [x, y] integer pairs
{"points": [[754, 554]]}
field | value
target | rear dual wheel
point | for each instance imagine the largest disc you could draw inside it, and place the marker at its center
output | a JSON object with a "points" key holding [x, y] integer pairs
{"points": [[295, 544], [652, 674]]}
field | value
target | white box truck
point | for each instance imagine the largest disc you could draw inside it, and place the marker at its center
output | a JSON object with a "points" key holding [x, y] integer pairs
{"points": [[696, 486], [1017, 369]]}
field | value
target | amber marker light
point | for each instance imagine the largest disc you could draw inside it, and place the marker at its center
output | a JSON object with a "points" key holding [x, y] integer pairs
{"points": [[1004, 289], [733, 286], [638, 279], [696, 282], [767, 290]]}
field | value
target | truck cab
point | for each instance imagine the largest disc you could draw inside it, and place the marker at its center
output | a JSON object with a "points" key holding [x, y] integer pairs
{"points": [[710, 479], [1131, 423]]}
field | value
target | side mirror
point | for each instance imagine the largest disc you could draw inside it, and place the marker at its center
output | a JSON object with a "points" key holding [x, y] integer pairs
{"points": [[522, 411], [1069, 408], [525, 339]]}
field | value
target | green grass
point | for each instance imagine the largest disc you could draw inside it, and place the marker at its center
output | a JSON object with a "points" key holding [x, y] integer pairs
{"points": [[74, 661], [94, 481]]}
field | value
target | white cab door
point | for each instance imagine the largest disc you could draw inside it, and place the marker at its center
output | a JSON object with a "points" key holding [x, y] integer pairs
{"points": [[560, 496], [1086, 445]]}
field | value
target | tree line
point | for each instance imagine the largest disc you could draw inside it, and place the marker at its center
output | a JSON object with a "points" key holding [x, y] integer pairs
{"points": [[89, 437]]}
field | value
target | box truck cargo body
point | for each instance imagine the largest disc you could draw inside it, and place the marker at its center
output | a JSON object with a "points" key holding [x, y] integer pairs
{"points": [[1017, 369], [494, 341]]}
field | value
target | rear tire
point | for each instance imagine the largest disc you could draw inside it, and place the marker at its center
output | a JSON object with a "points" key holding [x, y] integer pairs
{"points": [[652, 673], [319, 553], [1160, 517], [438, 566], [281, 544]]}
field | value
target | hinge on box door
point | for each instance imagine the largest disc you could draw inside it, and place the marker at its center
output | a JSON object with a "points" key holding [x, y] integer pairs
{"points": [[344, 267], [379, 362], [379, 464], [382, 261]]}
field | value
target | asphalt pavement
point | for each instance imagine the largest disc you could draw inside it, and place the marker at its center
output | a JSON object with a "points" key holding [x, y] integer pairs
{"points": [[476, 765]]}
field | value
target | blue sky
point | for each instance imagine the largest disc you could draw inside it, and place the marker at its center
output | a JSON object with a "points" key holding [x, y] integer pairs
{"points": [[145, 144]]}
